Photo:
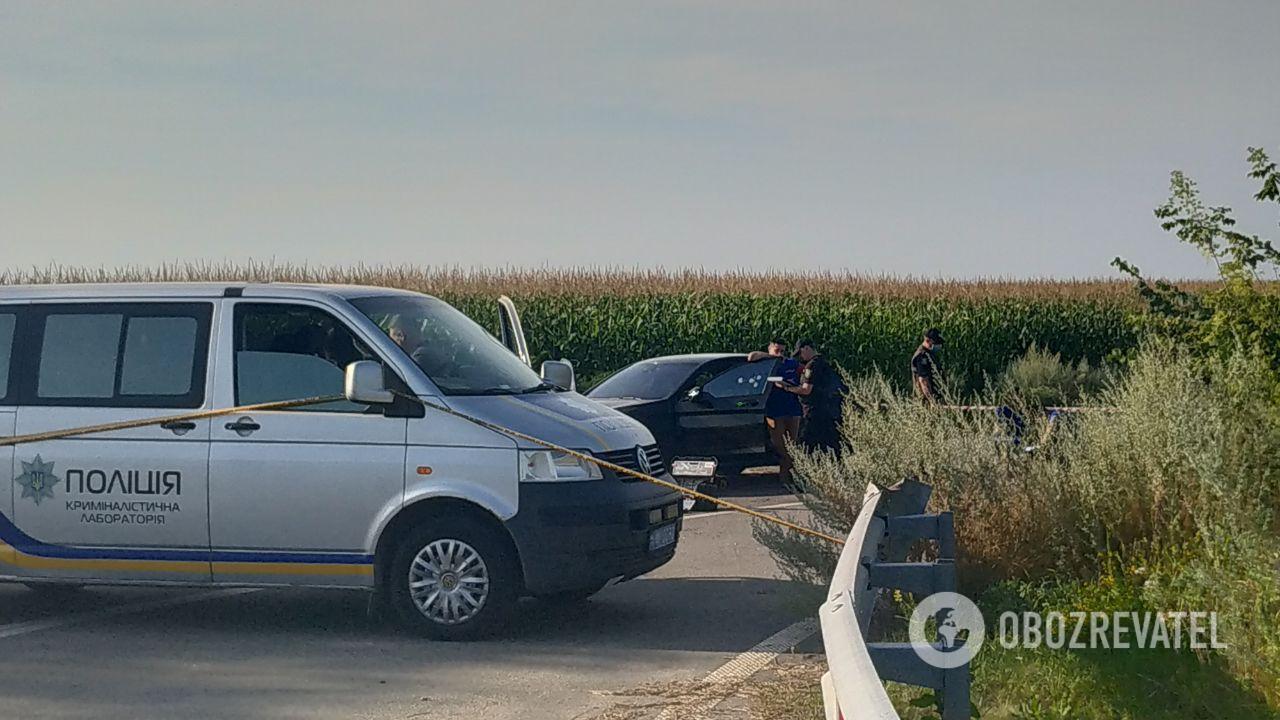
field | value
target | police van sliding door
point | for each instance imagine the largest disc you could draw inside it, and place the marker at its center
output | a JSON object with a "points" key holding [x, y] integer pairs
{"points": [[123, 505]]}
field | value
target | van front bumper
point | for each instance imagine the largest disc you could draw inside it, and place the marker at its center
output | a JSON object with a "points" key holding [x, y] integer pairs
{"points": [[580, 535]]}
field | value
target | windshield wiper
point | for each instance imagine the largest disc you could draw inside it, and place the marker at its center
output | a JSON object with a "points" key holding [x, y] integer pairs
{"points": [[543, 386], [493, 391]]}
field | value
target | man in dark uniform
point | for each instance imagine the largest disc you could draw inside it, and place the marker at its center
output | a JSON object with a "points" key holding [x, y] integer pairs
{"points": [[926, 371], [820, 394]]}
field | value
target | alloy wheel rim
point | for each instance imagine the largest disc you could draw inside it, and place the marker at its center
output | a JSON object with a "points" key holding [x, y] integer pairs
{"points": [[448, 581]]}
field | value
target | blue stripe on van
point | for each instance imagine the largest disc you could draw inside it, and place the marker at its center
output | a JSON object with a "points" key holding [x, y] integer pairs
{"points": [[24, 543]]}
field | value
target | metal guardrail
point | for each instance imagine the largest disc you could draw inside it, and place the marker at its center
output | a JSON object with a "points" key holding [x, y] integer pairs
{"points": [[890, 522]]}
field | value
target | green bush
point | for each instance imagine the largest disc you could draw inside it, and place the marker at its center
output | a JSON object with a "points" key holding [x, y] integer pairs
{"points": [[1179, 479], [1041, 378], [1240, 313]]}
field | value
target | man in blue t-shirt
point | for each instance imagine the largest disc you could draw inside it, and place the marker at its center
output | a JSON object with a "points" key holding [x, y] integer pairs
{"points": [[782, 410]]}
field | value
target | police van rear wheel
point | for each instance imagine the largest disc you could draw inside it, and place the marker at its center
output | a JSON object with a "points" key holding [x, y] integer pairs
{"points": [[449, 581]]}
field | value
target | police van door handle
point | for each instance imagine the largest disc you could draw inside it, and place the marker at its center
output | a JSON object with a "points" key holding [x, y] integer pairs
{"points": [[179, 427], [244, 426]]}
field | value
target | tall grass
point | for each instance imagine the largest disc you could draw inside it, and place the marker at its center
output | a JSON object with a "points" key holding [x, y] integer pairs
{"points": [[604, 319], [1179, 486]]}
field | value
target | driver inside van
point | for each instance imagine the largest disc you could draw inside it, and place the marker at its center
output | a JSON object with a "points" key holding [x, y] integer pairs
{"points": [[407, 333]]}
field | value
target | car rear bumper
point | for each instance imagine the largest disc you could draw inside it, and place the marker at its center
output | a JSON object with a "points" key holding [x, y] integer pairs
{"points": [[578, 535]]}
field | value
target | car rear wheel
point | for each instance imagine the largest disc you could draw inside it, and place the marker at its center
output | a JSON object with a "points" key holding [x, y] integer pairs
{"points": [[450, 580]]}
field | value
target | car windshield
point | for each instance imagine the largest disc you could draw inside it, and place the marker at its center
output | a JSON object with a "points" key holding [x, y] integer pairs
{"points": [[459, 356], [645, 380]]}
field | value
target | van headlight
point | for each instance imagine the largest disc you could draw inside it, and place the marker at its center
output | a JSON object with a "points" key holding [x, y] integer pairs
{"points": [[554, 466]]}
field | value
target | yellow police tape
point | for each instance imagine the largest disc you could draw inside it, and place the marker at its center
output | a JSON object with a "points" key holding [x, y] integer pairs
{"points": [[147, 422], [289, 404]]}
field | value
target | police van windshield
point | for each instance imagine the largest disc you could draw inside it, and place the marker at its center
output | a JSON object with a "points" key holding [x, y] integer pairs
{"points": [[459, 356]]}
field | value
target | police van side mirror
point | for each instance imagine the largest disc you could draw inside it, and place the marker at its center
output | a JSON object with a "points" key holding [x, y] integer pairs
{"points": [[365, 385]]}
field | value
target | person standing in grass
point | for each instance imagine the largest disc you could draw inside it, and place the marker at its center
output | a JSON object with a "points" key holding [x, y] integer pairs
{"points": [[926, 371], [782, 410], [820, 392]]}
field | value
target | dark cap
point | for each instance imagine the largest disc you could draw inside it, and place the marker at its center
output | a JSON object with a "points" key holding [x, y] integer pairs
{"points": [[805, 343], [934, 334]]}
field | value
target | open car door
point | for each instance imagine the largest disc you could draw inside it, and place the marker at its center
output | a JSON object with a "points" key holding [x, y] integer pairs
{"points": [[510, 331], [724, 417], [511, 334]]}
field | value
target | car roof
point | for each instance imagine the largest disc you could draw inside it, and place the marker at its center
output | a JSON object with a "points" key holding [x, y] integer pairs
{"points": [[691, 358], [129, 290]]}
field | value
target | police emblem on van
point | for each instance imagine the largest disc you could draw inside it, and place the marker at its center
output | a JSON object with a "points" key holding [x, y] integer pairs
{"points": [[37, 479]]}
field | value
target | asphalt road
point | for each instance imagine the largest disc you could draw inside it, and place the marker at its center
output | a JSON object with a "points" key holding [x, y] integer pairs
{"points": [[143, 653]]}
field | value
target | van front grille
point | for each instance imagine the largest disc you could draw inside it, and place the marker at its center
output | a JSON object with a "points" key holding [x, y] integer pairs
{"points": [[627, 459]]}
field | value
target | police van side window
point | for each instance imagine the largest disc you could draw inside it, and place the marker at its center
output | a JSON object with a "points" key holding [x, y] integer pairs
{"points": [[8, 321], [289, 352], [121, 355], [158, 352], [79, 355]]}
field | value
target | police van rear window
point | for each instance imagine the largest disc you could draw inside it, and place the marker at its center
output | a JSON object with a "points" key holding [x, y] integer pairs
{"points": [[79, 355], [120, 354], [7, 323]]}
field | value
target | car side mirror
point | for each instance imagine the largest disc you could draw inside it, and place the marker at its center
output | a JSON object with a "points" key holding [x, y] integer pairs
{"points": [[559, 373], [364, 384]]}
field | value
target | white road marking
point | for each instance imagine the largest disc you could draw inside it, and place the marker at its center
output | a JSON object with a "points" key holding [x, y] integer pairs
{"points": [[726, 679], [779, 506], [695, 516], [794, 505], [24, 628]]}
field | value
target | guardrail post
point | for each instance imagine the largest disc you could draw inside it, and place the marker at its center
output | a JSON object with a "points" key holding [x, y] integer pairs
{"points": [[874, 559], [946, 536], [905, 530], [955, 693], [909, 497]]}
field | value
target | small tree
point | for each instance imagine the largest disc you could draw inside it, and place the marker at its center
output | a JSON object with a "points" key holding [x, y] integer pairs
{"points": [[1239, 313]]}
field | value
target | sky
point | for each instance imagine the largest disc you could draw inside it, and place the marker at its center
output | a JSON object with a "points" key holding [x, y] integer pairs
{"points": [[934, 139]]}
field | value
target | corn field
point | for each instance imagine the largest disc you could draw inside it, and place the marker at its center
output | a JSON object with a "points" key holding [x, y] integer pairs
{"points": [[604, 319]]}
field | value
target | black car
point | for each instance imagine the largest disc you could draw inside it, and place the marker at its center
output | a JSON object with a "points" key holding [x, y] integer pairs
{"points": [[698, 406]]}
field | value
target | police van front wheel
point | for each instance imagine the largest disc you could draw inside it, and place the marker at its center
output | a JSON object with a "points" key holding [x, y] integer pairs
{"points": [[452, 581]]}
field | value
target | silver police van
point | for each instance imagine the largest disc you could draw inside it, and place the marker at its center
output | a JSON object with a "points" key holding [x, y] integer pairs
{"points": [[448, 521]]}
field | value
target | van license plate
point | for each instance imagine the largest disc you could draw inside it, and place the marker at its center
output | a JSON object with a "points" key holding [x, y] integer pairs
{"points": [[662, 537]]}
